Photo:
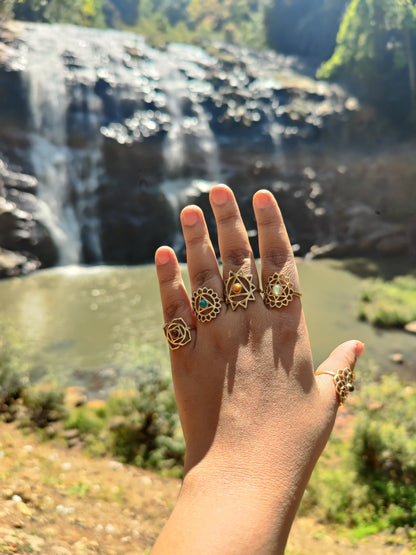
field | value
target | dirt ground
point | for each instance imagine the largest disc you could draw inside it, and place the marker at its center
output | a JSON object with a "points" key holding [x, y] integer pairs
{"points": [[57, 501]]}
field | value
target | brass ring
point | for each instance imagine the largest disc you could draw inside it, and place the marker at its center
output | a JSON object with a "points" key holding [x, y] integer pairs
{"points": [[344, 380], [239, 289], [206, 304], [279, 291], [177, 333]]}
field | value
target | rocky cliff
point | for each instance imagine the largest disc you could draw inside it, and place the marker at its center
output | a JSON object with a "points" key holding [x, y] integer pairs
{"points": [[103, 139]]}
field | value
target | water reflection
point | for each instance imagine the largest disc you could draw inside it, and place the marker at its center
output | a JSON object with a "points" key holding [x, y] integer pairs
{"points": [[103, 324]]}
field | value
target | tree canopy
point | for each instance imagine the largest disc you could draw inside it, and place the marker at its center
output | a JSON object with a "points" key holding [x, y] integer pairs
{"points": [[375, 53], [368, 44]]}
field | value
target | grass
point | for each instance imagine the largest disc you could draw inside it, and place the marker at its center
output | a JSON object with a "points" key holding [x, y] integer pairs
{"points": [[389, 303]]}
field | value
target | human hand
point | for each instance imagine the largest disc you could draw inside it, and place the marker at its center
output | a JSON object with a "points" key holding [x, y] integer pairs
{"points": [[255, 417]]}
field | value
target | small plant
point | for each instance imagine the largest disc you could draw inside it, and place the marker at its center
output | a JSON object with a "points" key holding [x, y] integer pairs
{"points": [[45, 404], [12, 369], [144, 426], [389, 304], [368, 482]]}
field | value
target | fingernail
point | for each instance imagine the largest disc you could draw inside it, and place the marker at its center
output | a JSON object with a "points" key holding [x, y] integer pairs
{"points": [[359, 349], [162, 257], [262, 199], [189, 217], [220, 196]]}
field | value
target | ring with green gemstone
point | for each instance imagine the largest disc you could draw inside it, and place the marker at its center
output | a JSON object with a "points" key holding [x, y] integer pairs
{"points": [[206, 304], [279, 291]]}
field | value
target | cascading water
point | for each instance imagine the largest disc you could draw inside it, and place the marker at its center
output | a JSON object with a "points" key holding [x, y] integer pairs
{"points": [[122, 134], [49, 154]]}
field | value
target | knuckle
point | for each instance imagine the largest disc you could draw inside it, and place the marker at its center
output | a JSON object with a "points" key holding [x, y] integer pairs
{"points": [[195, 240], [276, 257], [174, 309], [204, 276], [238, 257], [227, 218]]}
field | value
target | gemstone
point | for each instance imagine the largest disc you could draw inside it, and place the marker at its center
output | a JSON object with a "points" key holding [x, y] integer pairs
{"points": [[236, 287], [276, 289], [203, 303], [175, 333]]}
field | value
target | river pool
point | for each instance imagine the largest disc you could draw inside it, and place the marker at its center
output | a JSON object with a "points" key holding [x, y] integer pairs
{"points": [[101, 326]]}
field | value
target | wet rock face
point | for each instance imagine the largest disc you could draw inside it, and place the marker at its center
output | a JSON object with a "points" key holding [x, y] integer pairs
{"points": [[104, 139]]}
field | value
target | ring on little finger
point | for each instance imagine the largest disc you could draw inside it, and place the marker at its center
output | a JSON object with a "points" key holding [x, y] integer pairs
{"points": [[239, 289], [177, 333], [344, 381], [206, 304], [279, 291]]}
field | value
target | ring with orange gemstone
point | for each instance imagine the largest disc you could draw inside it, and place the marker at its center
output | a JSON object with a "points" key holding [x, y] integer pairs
{"points": [[239, 289], [279, 291]]}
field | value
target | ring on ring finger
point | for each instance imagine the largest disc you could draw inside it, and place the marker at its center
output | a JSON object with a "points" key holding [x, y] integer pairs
{"points": [[279, 291]]}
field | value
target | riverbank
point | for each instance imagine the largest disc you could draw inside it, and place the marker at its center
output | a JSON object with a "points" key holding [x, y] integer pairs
{"points": [[56, 500]]}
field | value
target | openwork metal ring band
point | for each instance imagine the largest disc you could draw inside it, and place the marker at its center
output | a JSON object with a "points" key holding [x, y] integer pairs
{"points": [[206, 304], [344, 381], [177, 333], [279, 291], [239, 289]]}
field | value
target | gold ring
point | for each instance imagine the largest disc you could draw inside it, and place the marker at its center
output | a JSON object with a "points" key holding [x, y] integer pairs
{"points": [[177, 333], [279, 291], [206, 304], [344, 380], [239, 289]]}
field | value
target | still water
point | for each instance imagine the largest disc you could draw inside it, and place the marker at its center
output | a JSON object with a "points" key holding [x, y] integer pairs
{"points": [[101, 326]]}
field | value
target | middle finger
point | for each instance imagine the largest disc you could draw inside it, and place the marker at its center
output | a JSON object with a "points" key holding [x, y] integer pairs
{"points": [[234, 245]]}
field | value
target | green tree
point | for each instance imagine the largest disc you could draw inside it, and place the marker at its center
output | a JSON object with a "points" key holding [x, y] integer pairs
{"points": [[305, 27], [78, 12], [6, 9], [375, 52]]}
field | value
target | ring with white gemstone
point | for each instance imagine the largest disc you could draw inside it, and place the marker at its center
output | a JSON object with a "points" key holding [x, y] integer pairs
{"points": [[279, 291]]}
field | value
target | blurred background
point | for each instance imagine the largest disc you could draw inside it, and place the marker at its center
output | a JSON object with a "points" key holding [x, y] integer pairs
{"points": [[114, 114]]}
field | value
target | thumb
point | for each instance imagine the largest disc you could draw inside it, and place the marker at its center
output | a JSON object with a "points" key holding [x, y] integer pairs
{"points": [[345, 355]]}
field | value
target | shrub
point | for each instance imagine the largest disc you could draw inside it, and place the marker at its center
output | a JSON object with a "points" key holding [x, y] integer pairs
{"points": [[384, 447], [389, 304], [144, 426], [368, 482], [12, 369], [45, 404]]}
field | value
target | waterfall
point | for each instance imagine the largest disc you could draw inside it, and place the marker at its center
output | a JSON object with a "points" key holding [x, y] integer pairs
{"points": [[49, 154], [68, 176]]}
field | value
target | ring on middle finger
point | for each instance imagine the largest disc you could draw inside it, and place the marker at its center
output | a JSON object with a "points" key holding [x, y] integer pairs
{"points": [[239, 289]]}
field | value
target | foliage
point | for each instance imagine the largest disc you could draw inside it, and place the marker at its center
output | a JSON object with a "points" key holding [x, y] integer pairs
{"points": [[12, 369], [296, 26], [45, 404], [368, 482], [144, 426], [375, 53], [6, 9], [389, 304], [78, 12]]}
